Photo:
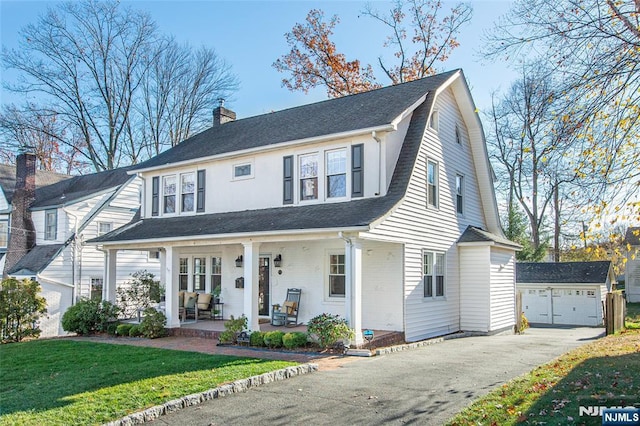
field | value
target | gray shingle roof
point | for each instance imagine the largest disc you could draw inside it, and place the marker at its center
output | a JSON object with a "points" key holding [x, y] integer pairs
{"points": [[354, 112], [632, 236], [37, 259], [563, 272], [43, 178], [473, 235]]}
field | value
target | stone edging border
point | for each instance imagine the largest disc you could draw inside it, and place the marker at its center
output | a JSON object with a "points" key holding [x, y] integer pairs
{"points": [[414, 345], [242, 385]]}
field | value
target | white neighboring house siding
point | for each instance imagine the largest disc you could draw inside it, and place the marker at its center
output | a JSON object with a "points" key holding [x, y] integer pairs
{"points": [[632, 275], [474, 278], [502, 289], [422, 228]]}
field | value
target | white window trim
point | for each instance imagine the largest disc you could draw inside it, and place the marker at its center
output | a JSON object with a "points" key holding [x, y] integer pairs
{"points": [[5, 233], [436, 205], [176, 195], [458, 135], [462, 194], [347, 178], [179, 194], [434, 120], [327, 280], [243, 177], [433, 296], [319, 173], [47, 225], [99, 225]]}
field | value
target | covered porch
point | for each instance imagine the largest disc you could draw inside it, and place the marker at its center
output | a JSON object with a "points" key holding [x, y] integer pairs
{"points": [[338, 273]]}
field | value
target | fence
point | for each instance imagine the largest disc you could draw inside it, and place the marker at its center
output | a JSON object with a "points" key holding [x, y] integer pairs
{"points": [[614, 312]]}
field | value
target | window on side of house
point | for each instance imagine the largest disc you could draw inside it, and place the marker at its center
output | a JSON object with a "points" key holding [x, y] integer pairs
{"points": [[434, 277], [432, 183], [308, 177], [336, 173], [199, 273], [4, 233], [242, 171], [187, 192], [50, 224], [104, 227], [458, 135], [96, 288], [460, 194], [169, 194], [434, 123], [183, 274], [216, 272], [336, 275]]}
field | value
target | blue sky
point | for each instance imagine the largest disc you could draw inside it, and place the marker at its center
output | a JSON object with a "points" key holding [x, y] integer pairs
{"points": [[249, 35]]}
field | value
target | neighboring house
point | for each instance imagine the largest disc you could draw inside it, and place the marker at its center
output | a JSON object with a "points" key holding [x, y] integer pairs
{"points": [[379, 206], [565, 293], [49, 227], [632, 266]]}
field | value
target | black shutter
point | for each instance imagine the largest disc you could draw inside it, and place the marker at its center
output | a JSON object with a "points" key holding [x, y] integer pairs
{"points": [[155, 196], [287, 189], [200, 192], [357, 170]]}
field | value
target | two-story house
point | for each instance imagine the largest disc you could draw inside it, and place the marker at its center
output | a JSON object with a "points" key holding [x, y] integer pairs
{"points": [[50, 223], [379, 206]]}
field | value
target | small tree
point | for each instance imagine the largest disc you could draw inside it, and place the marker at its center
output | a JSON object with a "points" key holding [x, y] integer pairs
{"points": [[20, 309], [139, 293]]}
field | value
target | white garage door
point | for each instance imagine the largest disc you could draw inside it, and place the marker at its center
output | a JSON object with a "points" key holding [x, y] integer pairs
{"points": [[535, 304], [575, 307]]}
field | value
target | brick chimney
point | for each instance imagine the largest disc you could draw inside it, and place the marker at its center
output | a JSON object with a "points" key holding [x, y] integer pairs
{"points": [[222, 115], [22, 234]]}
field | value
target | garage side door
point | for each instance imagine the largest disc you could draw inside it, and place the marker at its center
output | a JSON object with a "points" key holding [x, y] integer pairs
{"points": [[575, 307], [535, 304]]}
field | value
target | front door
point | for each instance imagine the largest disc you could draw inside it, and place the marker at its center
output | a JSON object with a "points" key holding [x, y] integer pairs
{"points": [[263, 287]]}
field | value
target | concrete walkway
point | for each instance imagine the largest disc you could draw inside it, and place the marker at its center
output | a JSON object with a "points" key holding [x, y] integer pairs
{"points": [[427, 385]]}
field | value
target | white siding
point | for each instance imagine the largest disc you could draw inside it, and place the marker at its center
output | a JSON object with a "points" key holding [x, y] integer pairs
{"points": [[502, 289], [632, 276], [423, 228], [58, 299], [474, 293]]}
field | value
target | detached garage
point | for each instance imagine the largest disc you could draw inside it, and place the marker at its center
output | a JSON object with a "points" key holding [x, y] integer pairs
{"points": [[568, 293]]}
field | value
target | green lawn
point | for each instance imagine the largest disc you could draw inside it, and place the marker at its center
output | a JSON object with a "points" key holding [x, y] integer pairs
{"points": [[601, 373], [632, 320], [64, 382]]}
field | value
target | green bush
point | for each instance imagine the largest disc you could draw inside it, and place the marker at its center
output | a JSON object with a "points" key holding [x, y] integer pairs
{"points": [[294, 340], [328, 329], [135, 331], [257, 339], [153, 323], [139, 293], [123, 329], [233, 326], [89, 316], [112, 328], [20, 309], [273, 339]]}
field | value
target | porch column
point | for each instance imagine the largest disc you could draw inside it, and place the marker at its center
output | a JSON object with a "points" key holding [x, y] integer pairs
{"points": [[353, 287], [110, 271], [251, 270], [170, 287]]}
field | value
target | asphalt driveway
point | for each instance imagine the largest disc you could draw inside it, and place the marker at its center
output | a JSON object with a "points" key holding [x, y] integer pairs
{"points": [[425, 386]]}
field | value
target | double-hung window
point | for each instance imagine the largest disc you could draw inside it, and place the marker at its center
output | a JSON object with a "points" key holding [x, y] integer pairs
{"points": [[187, 192], [104, 227], [432, 184], [199, 273], [309, 177], [4, 233], [96, 288], [434, 278], [336, 166], [459, 194], [169, 194], [183, 274], [216, 272], [50, 224], [336, 275]]}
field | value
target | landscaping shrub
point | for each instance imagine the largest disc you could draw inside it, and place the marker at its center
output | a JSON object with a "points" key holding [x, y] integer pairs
{"points": [[328, 329], [293, 340], [20, 309], [153, 323], [111, 328], [135, 331], [273, 339], [123, 329], [233, 326], [139, 293], [89, 316], [257, 339]]}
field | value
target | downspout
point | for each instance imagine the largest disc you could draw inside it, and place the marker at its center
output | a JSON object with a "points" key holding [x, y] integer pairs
{"points": [[348, 294], [142, 195], [374, 135], [74, 256]]}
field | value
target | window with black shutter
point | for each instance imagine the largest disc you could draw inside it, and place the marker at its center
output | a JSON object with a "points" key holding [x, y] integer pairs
{"points": [[287, 193], [200, 194], [357, 170], [155, 196]]}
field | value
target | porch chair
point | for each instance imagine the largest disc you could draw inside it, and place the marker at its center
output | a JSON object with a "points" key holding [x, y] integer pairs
{"points": [[287, 314]]}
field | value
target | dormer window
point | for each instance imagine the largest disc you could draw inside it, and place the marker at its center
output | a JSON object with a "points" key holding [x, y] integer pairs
{"points": [[309, 177], [187, 192], [50, 224], [434, 122], [169, 194]]}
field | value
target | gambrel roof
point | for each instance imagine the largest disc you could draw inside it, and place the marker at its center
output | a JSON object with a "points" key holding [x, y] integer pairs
{"points": [[563, 272]]}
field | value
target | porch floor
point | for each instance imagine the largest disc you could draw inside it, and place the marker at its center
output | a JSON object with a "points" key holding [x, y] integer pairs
{"points": [[211, 329]]}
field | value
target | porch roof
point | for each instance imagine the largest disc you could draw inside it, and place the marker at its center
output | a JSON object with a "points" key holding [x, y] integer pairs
{"points": [[37, 259], [352, 214]]}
